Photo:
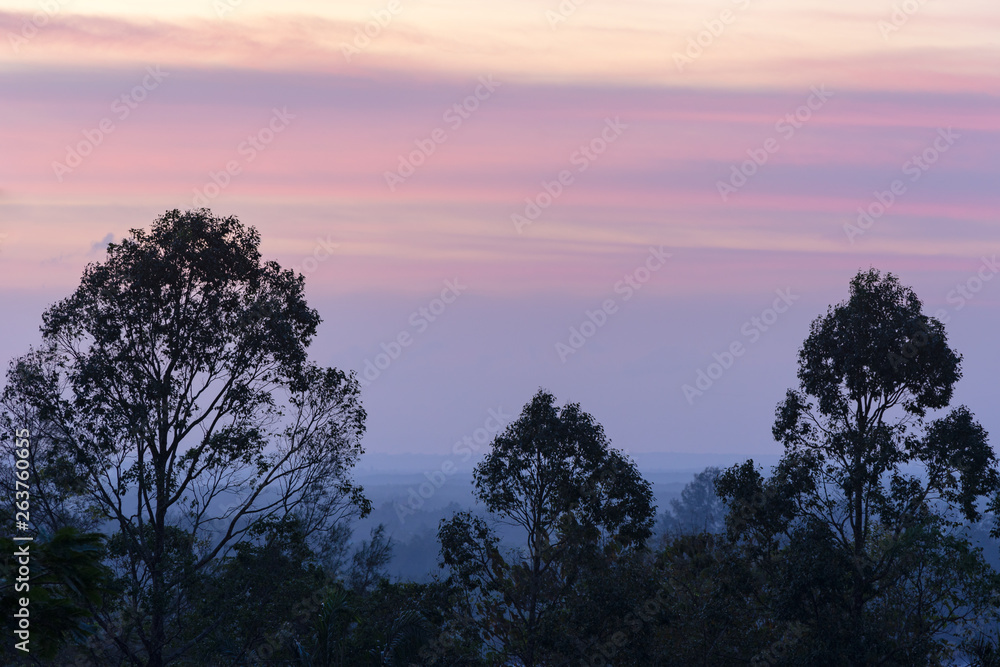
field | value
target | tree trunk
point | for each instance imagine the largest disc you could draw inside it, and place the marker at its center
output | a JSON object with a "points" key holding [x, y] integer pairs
{"points": [[157, 620]]}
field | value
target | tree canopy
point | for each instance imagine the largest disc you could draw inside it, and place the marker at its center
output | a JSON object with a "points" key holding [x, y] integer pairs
{"points": [[577, 503], [861, 521], [190, 475], [174, 387]]}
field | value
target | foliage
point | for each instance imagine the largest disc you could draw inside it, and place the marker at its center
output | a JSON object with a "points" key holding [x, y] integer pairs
{"points": [[67, 582], [171, 404], [698, 510], [173, 385], [859, 546], [579, 505]]}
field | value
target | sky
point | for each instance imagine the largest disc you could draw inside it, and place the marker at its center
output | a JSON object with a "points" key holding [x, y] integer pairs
{"points": [[604, 199]]}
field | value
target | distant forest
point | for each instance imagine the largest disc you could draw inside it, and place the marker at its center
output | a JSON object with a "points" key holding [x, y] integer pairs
{"points": [[185, 474]]}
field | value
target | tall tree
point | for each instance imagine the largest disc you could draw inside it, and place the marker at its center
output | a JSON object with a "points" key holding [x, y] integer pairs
{"points": [[698, 510], [174, 384], [860, 524], [575, 502]]}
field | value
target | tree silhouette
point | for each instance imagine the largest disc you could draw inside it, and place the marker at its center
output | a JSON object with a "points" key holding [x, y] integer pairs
{"points": [[174, 386], [698, 510], [553, 475], [859, 526]]}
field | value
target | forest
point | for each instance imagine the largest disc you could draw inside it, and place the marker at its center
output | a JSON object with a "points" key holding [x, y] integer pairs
{"points": [[188, 472]]}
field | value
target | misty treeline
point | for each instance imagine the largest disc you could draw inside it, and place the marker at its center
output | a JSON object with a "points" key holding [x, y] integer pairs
{"points": [[191, 495]]}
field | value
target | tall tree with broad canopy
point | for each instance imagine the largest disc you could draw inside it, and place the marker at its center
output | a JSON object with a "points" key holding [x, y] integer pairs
{"points": [[576, 502], [174, 387], [860, 526]]}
